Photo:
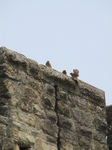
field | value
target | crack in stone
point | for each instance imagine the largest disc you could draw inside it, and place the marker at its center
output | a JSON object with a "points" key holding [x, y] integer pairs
{"points": [[58, 138]]}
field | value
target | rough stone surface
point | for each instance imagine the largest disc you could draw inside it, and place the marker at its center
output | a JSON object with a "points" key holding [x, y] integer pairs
{"points": [[43, 109], [109, 121]]}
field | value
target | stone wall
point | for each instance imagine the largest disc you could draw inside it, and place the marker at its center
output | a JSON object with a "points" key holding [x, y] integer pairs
{"points": [[42, 109], [109, 121]]}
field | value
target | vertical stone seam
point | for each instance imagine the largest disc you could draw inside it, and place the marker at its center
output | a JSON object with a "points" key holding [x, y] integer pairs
{"points": [[56, 110]]}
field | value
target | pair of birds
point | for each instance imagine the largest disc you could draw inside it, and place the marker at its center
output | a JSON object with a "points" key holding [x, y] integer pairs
{"points": [[74, 75]]}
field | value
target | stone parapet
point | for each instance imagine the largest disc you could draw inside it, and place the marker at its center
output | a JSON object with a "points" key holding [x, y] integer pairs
{"points": [[43, 109]]}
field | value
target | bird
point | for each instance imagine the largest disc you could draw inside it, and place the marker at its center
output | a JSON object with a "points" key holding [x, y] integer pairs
{"points": [[75, 74], [64, 72], [48, 64]]}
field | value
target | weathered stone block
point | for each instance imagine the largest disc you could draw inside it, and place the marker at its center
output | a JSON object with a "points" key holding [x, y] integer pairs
{"points": [[66, 123], [49, 89], [48, 101], [49, 128], [42, 144], [68, 146], [64, 109]]}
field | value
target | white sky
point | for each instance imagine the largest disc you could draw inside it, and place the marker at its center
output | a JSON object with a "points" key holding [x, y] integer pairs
{"points": [[69, 33]]}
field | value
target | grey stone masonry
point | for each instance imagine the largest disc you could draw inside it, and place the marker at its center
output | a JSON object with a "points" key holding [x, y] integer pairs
{"points": [[43, 109], [109, 121]]}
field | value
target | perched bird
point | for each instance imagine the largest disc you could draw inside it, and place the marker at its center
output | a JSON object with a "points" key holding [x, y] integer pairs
{"points": [[75, 74], [64, 72], [48, 64]]}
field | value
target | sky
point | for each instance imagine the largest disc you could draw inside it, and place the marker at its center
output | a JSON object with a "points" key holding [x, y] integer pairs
{"points": [[71, 34]]}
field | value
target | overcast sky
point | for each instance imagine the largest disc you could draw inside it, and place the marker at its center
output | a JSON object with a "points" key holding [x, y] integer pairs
{"points": [[70, 33]]}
